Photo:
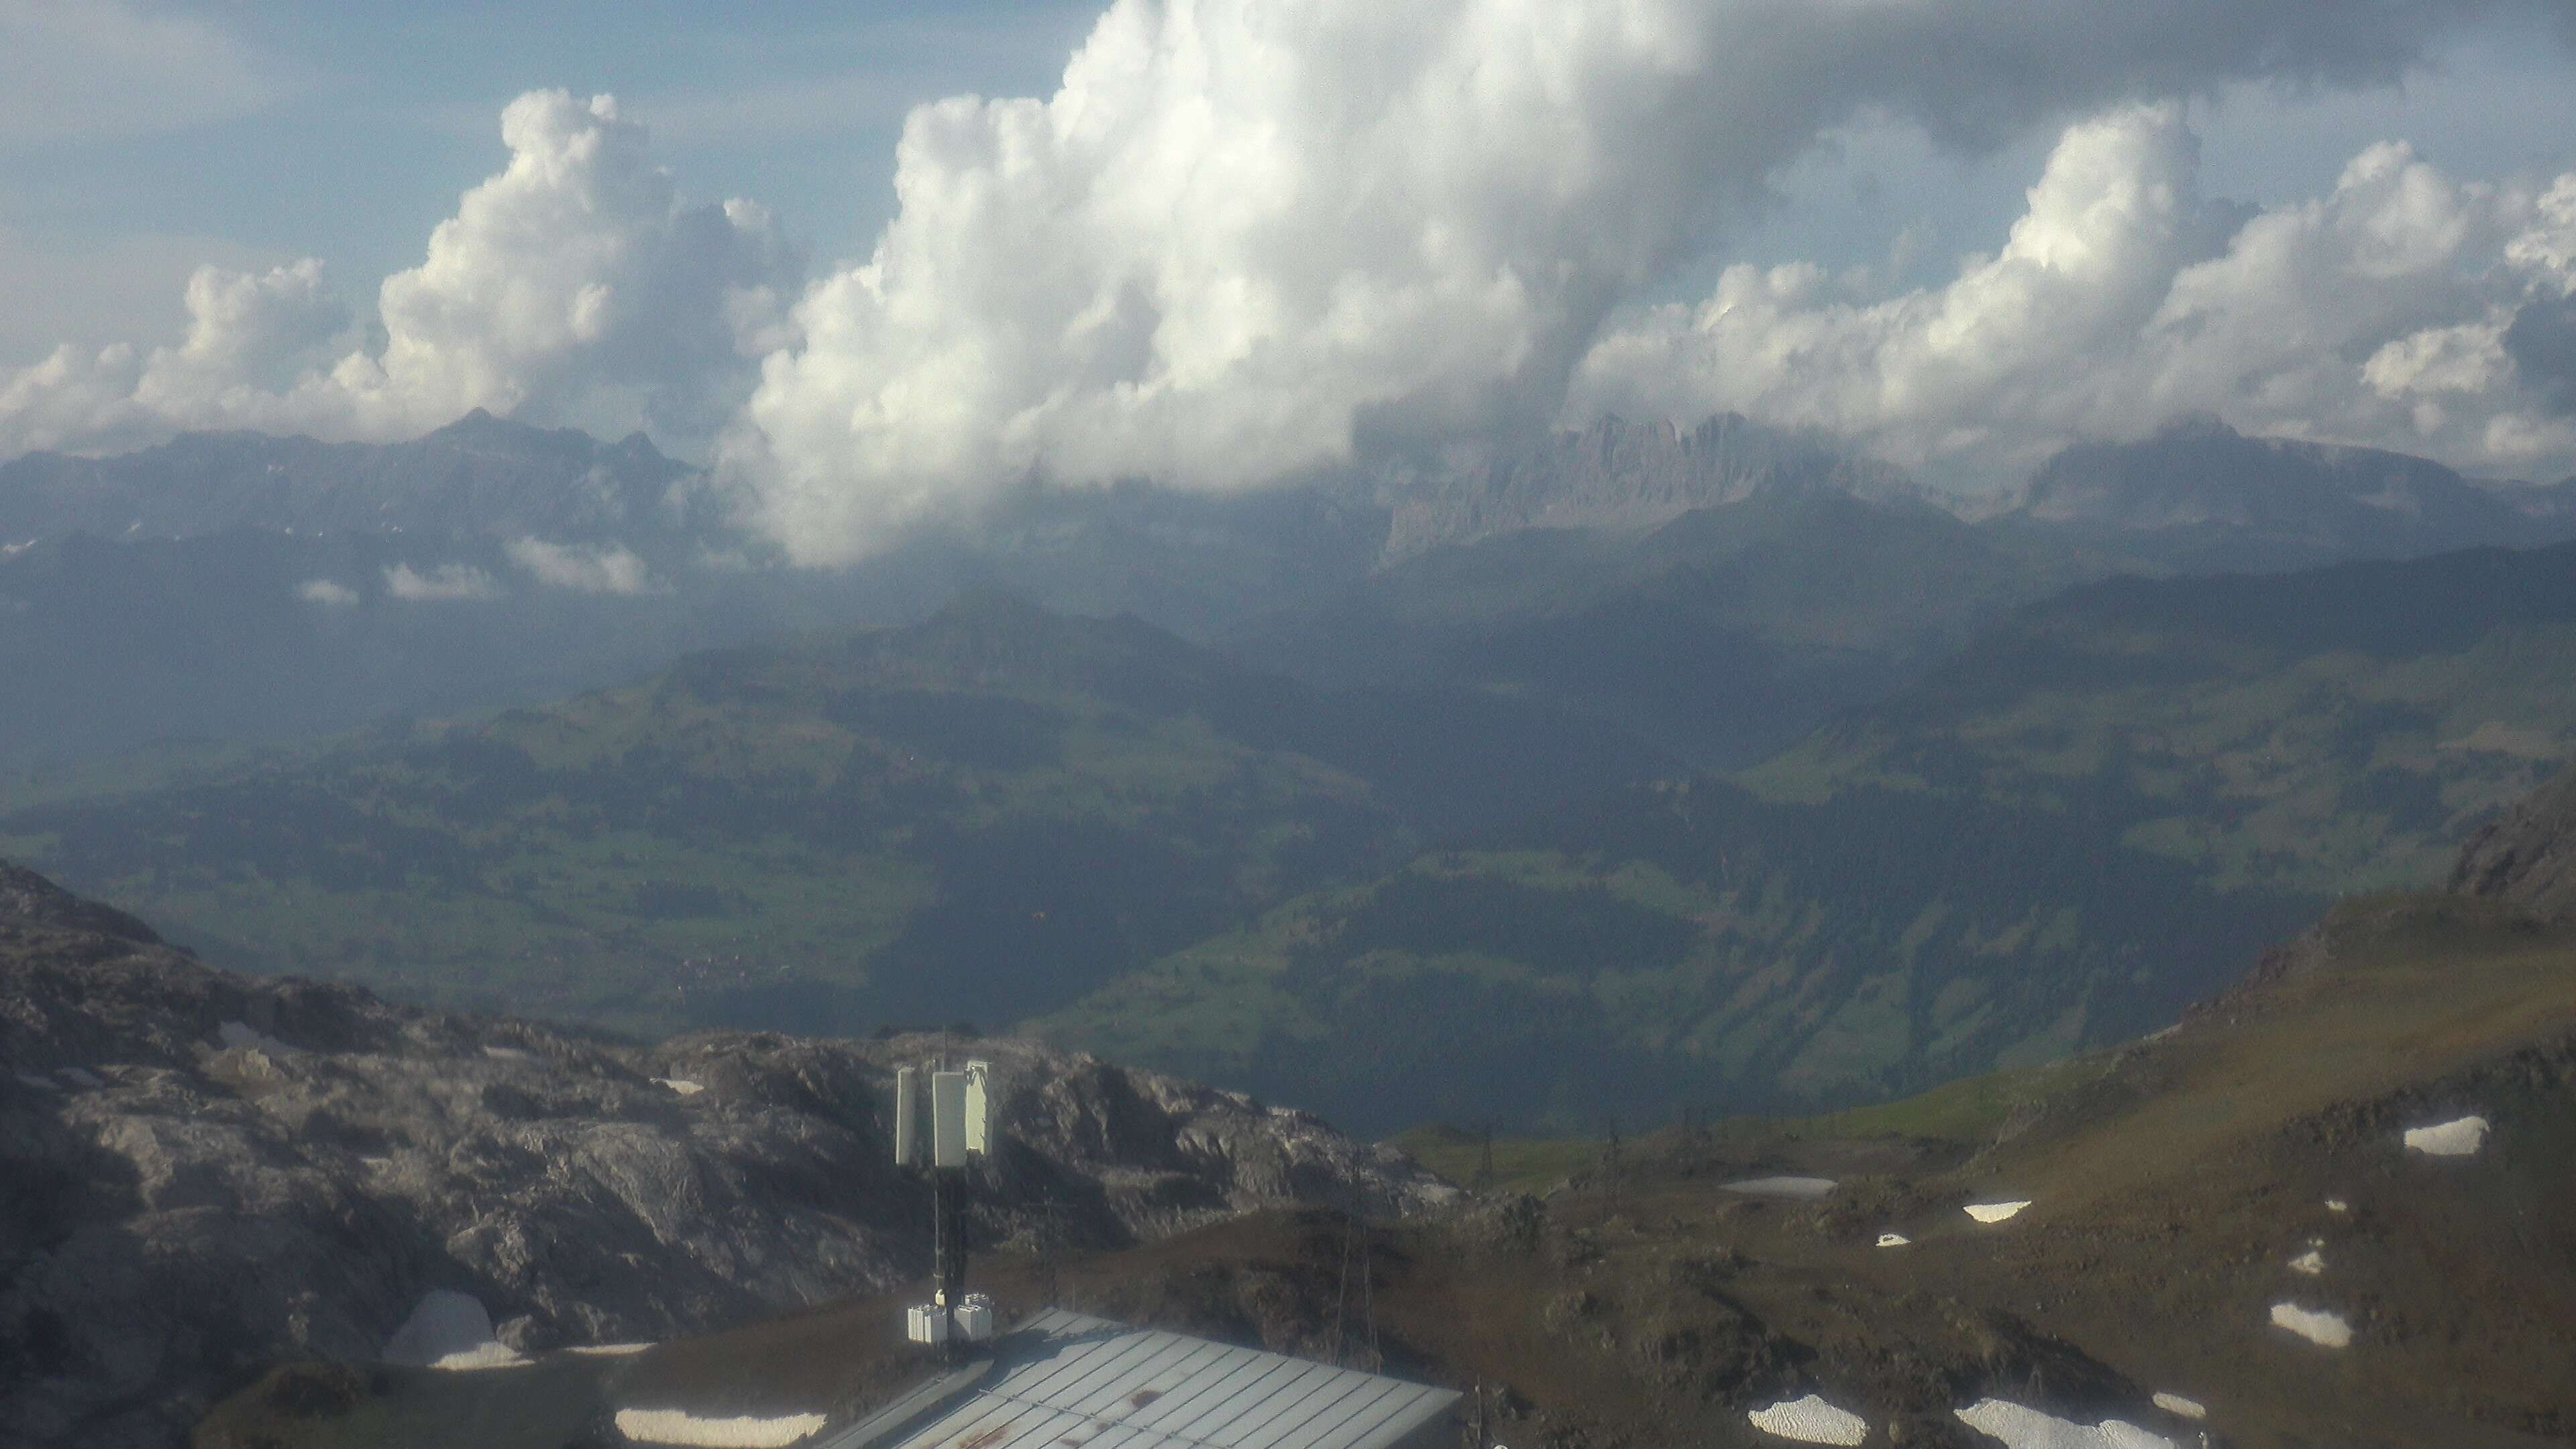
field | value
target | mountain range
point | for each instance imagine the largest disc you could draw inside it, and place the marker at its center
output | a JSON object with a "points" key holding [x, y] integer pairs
{"points": [[1722, 761]]}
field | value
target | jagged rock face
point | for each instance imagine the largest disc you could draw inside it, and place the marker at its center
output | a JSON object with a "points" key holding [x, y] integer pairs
{"points": [[202, 1172], [2527, 856], [480, 475], [1618, 475]]}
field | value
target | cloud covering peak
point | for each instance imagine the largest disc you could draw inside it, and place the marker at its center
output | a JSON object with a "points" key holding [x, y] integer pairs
{"points": [[1247, 239], [1242, 240], [2125, 298]]}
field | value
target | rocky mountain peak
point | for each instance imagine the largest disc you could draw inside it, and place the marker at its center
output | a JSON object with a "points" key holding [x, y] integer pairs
{"points": [[202, 1173], [29, 902], [2527, 856], [1615, 474]]}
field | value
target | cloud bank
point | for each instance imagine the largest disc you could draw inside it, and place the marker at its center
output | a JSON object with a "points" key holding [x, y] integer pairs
{"points": [[2404, 308], [1243, 240], [573, 286], [446, 583], [611, 569], [1249, 239]]}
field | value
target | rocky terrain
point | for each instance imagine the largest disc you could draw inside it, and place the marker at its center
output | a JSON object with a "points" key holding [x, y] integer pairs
{"points": [[1615, 475], [2326, 1208], [203, 1173], [478, 475], [2527, 856]]}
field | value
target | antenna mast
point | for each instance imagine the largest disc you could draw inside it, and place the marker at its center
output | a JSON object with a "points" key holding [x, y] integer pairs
{"points": [[960, 1129]]}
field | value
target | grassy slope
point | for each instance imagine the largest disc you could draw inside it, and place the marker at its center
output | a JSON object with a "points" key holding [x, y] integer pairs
{"points": [[758, 835], [2171, 1182], [2053, 842], [2329, 731], [1698, 944], [979, 816]]}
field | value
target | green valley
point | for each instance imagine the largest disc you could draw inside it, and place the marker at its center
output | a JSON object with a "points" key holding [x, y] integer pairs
{"points": [[978, 816], [2091, 817]]}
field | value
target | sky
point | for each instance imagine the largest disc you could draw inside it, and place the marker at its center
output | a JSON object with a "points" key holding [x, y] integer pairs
{"points": [[881, 264]]}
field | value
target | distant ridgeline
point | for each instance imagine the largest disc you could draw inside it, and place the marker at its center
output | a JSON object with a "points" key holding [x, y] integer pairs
{"points": [[2095, 815], [1957, 795]]}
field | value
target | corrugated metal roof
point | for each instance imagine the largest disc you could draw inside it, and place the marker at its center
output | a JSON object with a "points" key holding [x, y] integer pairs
{"points": [[1066, 1381]]}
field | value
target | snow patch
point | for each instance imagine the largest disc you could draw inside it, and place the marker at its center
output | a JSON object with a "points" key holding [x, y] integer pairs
{"points": [[2337, 1205], [1994, 1212], [681, 1085], [1782, 1186], [2310, 1262], [509, 1054], [2181, 1407], [2314, 1325], [1810, 1421], [482, 1356], [237, 1035], [2448, 1139], [444, 1326], [41, 1084], [2022, 1427], [1893, 1240], [679, 1426], [609, 1350]]}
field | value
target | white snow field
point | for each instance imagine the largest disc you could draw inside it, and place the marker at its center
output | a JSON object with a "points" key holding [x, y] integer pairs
{"points": [[2022, 1427], [2461, 1138], [681, 1085], [2310, 1262], [1893, 1240], [608, 1350], [1810, 1421], [2177, 1404], [2337, 1205], [679, 1426], [2314, 1325], [1994, 1212], [509, 1054], [1783, 1186]]}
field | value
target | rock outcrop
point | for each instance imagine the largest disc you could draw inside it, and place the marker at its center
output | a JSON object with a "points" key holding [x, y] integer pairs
{"points": [[203, 1172], [2527, 856], [1614, 474]]}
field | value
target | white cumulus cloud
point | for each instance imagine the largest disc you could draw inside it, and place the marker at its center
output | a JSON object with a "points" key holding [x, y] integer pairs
{"points": [[573, 286], [445, 583], [2124, 298], [329, 593], [609, 569], [1246, 239]]}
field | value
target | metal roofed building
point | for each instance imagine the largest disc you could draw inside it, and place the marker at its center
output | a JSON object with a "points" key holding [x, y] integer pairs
{"points": [[1064, 1379]]}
